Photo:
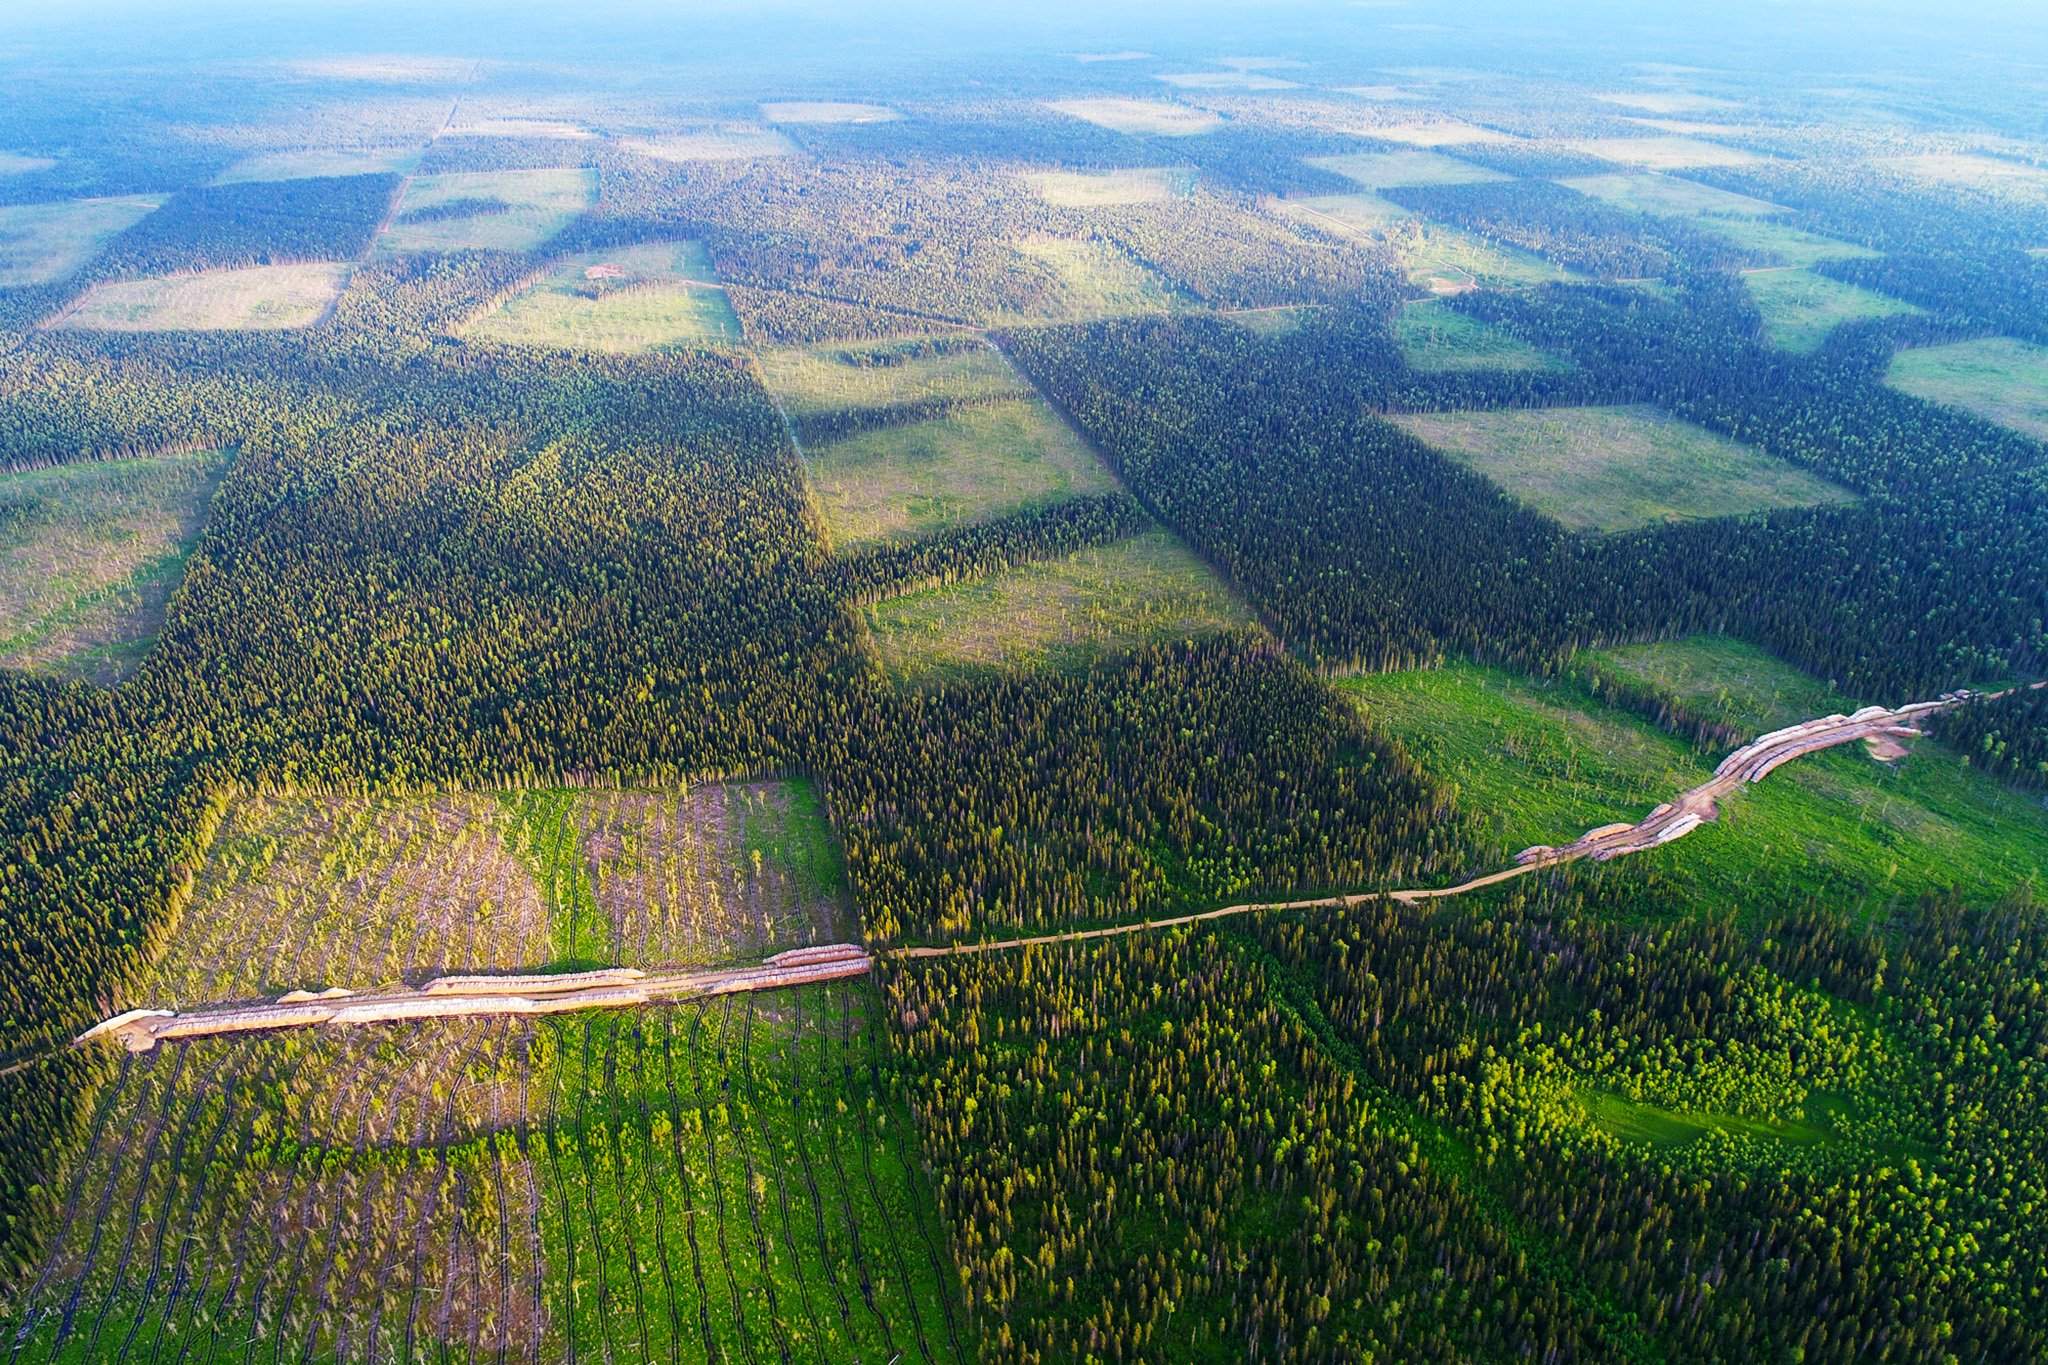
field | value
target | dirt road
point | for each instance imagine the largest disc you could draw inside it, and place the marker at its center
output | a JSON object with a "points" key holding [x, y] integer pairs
{"points": [[613, 987]]}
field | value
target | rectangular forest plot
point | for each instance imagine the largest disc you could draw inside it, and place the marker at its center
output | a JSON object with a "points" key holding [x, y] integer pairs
{"points": [[263, 298], [1111, 189], [887, 377], [1996, 175], [1722, 681], [1668, 101], [1617, 469], [632, 298], [1391, 170], [18, 163], [1672, 153], [1997, 378], [1343, 215], [1060, 614], [314, 162], [1140, 118], [1800, 307], [44, 243], [1783, 243], [1225, 80], [1442, 133], [1447, 260], [90, 554], [1437, 339], [486, 210], [974, 463]]}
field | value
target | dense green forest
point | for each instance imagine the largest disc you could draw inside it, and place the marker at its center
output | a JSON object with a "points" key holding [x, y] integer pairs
{"points": [[663, 502]]}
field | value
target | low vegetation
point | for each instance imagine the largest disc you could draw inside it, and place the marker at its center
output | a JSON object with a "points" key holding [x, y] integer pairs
{"points": [[263, 298]]}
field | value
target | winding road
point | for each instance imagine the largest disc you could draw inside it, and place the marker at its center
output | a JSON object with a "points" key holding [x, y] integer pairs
{"points": [[612, 987]]}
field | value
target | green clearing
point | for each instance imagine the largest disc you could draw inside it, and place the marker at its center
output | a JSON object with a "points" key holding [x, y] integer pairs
{"points": [[1800, 308], [1346, 215], [1139, 118], [262, 298], [663, 294], [1391, 170], [1269, 322], [1542, 762], [486, 210], [312, 162], [1649, 192], [1450, 261], [1789, 244], [44, 243], [1436, 339], [1111, 189], [724, 142], [1636, 1121], [826, 111], [14, 163], [1606, 469], [1996, 175], [812, 381], [1060, 614], [90, 554], [1663, 153], [1225, 80], [1997, 378], [1093, 280], [1721, 679], [978, 462], [1441, 133]]}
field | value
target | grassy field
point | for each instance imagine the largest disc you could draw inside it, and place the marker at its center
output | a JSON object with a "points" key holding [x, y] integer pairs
{"points": [[15, 163], [1800, 308], [726, 142], [90, 554], [1994, 174], [979, 462], [718, 1181], [317, 161], [1059, 614], [1449, 261], [1615, 469], [486, 210], [263, 298], [1543, 762], [1111, 189], [1391, 170], [1649, 192], [1268, 322], [1441, 133], [1664, 153], [1346, 215], [543, 129], [1667, 101], [1140, 118], [312, 891], [812, 381], [658, 302], [44, 243], [1722, 679], [1437, 340], [1790, 245], [1997, 378], [1095, 280], [826, 111]]}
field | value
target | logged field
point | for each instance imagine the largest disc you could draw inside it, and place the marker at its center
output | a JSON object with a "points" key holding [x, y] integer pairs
{"points": [[1224, 80], [1969, 171], [90, 554], [44, 243], [1392, 170], [826, 111], [543, 129], [307, 892], [263, 298], [727, 142], [486, 210], [1345, 215], [1997, 378], [1649, 192], [1445, 133], [1665, 153], [1615, 469], [1449, 261], [1541, 763], [320, 161], [1140, 118], [648, 296], [1436, 340], [1059, 614], [974, 463], [1111, 189], [830, 379], [15, 163], [1800, 308], [1667, 101], [1721, 680], [1093, 280], [1789, 245], [732, 1181]]}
